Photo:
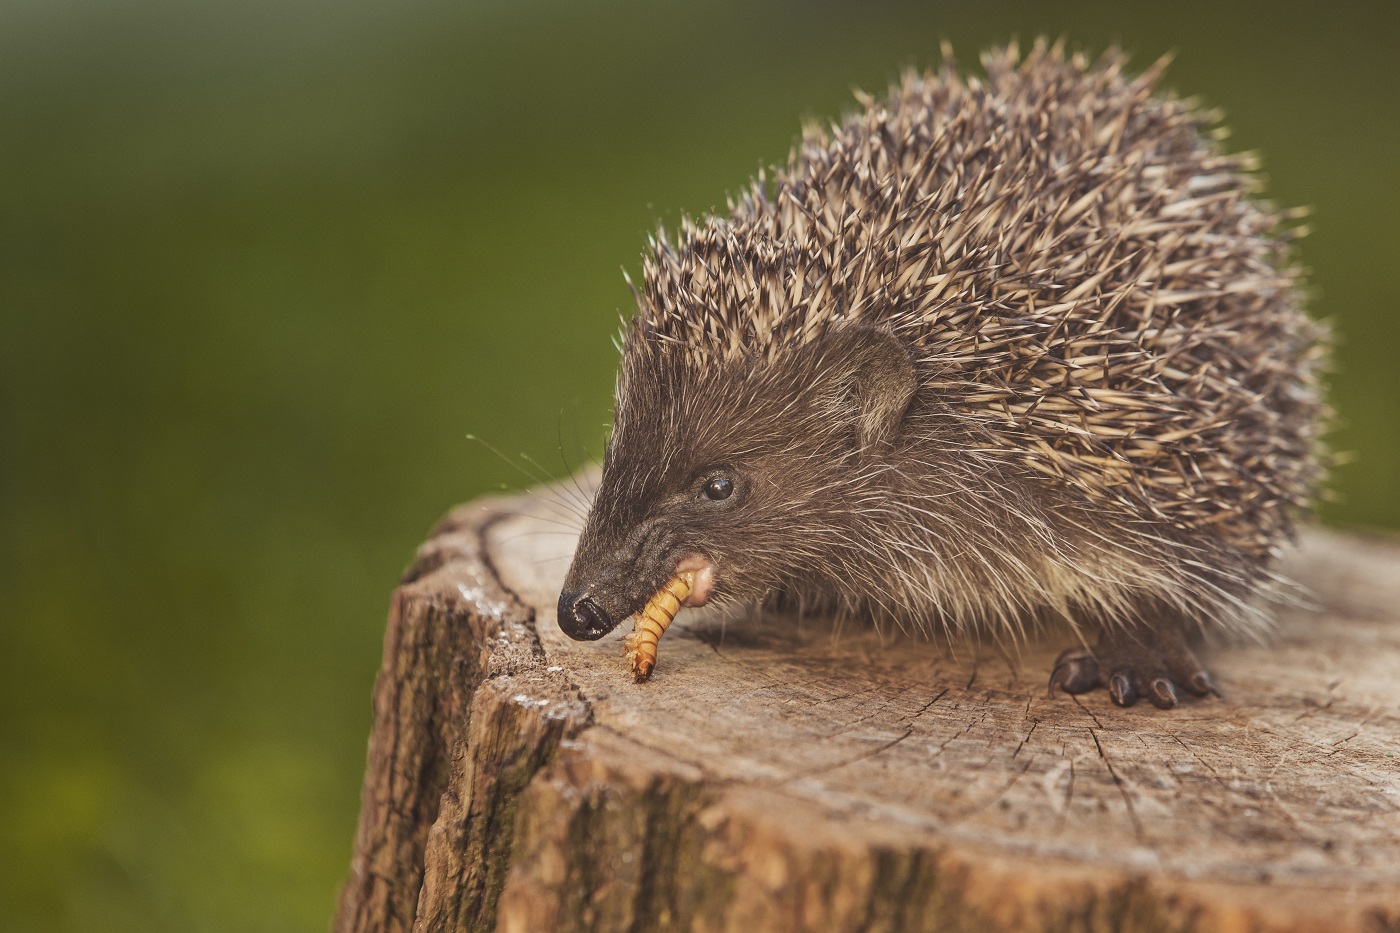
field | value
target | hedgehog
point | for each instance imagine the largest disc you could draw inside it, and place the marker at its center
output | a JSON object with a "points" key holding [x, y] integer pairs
{"points": [[988, 355]]}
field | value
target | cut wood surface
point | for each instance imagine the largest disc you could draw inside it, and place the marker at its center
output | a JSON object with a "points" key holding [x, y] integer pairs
{"points": [[779, 774]]}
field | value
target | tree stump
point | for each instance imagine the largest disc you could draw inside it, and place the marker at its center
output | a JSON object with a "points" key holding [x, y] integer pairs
{"points": [[779, 774]]}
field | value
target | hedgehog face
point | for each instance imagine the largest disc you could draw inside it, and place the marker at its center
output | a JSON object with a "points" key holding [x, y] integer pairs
{"points": [[738, 470]]}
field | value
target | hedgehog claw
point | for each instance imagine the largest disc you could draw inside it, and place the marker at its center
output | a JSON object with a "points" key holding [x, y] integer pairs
{"points": [[1201, 685], [1162, 693], [1122, 687], [1076, 671]]}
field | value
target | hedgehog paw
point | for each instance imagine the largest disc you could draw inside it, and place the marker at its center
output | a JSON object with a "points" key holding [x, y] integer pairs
{"points": [[1130, 669]]}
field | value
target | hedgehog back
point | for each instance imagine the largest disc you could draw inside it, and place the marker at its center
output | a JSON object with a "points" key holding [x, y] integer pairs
{"points": [[1088, 282]]}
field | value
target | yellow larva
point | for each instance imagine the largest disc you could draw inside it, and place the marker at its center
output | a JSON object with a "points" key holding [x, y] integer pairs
{"points": [[652, 621]]}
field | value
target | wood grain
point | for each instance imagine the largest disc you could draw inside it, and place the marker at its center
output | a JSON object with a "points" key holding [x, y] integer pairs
{"points": [[789, 775]]}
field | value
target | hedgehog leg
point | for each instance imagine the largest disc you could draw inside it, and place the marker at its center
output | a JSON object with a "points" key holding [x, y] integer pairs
{"points": [[1133, 664]]}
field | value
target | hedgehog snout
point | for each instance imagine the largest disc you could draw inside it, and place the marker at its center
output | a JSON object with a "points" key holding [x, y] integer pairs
{"points": [[582, 618]]}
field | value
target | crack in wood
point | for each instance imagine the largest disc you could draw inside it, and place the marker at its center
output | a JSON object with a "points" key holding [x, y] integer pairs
{"points": [[1122, 787], [1022, 744], [1069, 800]]}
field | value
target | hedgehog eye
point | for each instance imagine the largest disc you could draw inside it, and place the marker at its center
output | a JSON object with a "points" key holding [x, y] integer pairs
{"points": [[718, 489]]}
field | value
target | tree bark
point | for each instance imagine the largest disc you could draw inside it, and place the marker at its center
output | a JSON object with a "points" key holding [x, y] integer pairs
{"points": [[779, 774]]}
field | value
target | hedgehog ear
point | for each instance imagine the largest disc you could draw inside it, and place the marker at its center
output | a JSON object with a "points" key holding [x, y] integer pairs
{"points": [[874, 381]]}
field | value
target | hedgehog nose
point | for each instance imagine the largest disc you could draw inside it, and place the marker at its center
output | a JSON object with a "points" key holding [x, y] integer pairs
{"points": [[581, 618]]}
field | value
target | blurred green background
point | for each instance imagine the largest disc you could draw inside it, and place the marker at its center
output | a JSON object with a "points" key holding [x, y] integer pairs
{"points": [[263, 266]]}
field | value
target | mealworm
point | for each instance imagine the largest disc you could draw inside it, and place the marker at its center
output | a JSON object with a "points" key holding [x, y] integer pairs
{"points": [[652, 622]]}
